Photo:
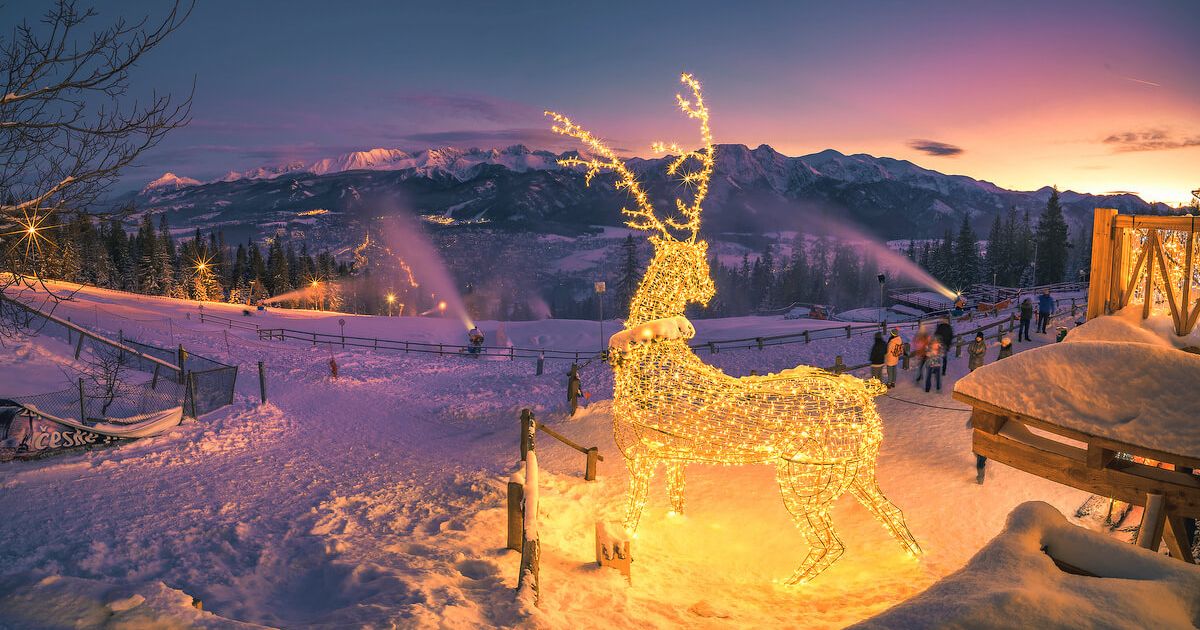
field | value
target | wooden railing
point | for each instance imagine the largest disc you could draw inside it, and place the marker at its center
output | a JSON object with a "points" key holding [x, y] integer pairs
{"points": [[1154, 256], [421, 347], [227, 322]]}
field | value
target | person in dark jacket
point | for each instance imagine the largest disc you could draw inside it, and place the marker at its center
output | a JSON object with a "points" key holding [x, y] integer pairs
{"points": [[1026, 318], [573, 388], [945, 334], [975, 352], [878, 355], [1006, 349], [1045, 307]]}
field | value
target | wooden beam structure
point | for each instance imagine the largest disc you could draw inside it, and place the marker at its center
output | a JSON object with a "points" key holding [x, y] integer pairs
{"points": [[1165, 268], [1092, 463]]}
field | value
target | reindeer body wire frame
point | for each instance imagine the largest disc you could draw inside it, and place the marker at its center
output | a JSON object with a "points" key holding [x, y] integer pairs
{"points": [[821, 431]]}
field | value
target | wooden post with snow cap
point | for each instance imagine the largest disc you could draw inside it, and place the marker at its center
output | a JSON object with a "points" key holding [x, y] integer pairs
{"points": [[527, 580]]}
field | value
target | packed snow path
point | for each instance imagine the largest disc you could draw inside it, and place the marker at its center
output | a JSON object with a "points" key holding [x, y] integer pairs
{"points": [[377, 499]]}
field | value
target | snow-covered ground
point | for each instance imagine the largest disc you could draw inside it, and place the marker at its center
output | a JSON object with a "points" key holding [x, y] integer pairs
{"points": [[377, 499]]}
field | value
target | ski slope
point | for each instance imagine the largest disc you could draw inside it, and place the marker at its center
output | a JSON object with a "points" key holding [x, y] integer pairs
{"points": [[377, 499]]}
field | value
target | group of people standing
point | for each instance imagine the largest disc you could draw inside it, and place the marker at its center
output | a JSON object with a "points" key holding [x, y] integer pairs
{"points": [[1045, 309], [931, 352]]}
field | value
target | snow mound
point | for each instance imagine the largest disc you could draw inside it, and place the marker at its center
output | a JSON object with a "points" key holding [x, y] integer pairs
{"points": [[656, 330], [1013, 582], [1140, 392]]}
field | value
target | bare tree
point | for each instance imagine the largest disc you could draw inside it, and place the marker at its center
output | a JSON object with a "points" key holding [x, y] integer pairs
{"points": [[103, 371], [68, 125]]}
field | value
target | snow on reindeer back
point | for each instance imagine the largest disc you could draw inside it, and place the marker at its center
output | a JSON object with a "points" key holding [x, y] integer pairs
{"points": [[654, 330], [1108, 379]]}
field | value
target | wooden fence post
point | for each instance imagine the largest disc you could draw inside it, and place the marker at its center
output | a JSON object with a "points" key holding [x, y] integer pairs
{"points": [[516, 520], [181, 354], [541, 362], [847, 331], [589, 471], [530, 545], [528, 424], [82, 403], [838, 366], [262, 382]]}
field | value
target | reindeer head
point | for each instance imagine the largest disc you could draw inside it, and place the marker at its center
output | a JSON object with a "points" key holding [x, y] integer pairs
{"points": [[679, 272]]}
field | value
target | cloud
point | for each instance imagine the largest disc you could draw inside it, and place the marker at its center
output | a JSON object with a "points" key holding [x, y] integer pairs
{"points": [[1149, 140], [935, 148], [476, 107]]}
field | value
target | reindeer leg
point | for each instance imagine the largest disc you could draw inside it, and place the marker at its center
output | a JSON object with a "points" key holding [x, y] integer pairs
{"points": [[641, 469], [808, 492], [866, 490], [675, 483]]}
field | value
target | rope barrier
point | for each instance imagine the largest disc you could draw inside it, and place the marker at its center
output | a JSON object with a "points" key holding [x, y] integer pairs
{"points": [[921, 404]]}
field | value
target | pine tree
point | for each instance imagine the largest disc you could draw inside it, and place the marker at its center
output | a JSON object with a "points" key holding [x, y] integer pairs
{"points": [[1052, 234], [997, 251], [630, 275], [798, 272], [966, 256], [148, 273]]}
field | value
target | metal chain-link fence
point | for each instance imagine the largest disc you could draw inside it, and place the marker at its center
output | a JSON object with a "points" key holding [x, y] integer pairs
{"points": [[177, 376]]}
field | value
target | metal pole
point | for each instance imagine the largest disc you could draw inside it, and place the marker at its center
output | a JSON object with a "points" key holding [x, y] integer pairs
{"points": [[262, 382], [82, 403]]}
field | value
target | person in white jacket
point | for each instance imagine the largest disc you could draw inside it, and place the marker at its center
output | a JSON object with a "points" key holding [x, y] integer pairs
{"points": [[895, 350]]}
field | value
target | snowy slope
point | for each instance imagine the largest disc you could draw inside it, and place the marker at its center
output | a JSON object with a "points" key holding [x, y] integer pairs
{"points": [[377, 498]]}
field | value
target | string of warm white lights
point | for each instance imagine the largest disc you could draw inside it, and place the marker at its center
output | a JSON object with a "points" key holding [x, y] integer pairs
{"points": [[821, 431]]}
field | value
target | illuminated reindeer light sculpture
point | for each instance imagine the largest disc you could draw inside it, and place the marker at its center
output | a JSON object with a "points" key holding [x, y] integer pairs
{"points": [[821, 431]]}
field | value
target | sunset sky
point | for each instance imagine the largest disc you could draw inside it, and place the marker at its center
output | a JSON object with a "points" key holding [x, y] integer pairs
{"points": [[1090, 96]]}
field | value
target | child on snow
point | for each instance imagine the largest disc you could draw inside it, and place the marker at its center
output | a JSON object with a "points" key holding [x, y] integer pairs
{"points": [[1006, 348], [975, 352], [934, 356]]}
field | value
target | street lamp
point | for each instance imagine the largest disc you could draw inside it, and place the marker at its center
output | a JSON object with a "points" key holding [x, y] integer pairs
{"points": [[600, 288], [391, 299], [882, 279], [442, 308]]}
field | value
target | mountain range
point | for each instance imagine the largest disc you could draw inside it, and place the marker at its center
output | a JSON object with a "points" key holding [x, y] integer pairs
{"points": [[753, 191]]}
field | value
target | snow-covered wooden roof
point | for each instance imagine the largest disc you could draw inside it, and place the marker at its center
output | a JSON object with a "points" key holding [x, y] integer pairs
{"points": [[1110, 379]]}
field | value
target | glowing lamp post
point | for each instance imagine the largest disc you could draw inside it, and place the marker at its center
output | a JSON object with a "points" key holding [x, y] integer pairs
{"points": [[600, 289], [442, 309], [391, 299]]}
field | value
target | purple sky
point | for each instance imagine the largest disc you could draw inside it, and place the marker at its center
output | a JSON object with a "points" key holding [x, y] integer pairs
{"points": [[1093, 96]]}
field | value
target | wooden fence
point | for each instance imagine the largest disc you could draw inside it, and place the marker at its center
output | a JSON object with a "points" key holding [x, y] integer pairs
{"points": [[1151, 260]]}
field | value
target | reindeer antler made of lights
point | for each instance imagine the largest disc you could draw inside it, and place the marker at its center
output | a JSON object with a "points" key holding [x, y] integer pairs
{"points": [[643, 216]]}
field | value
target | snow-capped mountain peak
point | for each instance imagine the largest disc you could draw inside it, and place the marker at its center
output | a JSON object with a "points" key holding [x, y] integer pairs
{"points": [[458, 163], [169, 182]]}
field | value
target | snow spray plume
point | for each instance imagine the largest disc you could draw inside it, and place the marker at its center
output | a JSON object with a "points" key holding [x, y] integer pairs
{"points": [[401, 233], [888, 258]]}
